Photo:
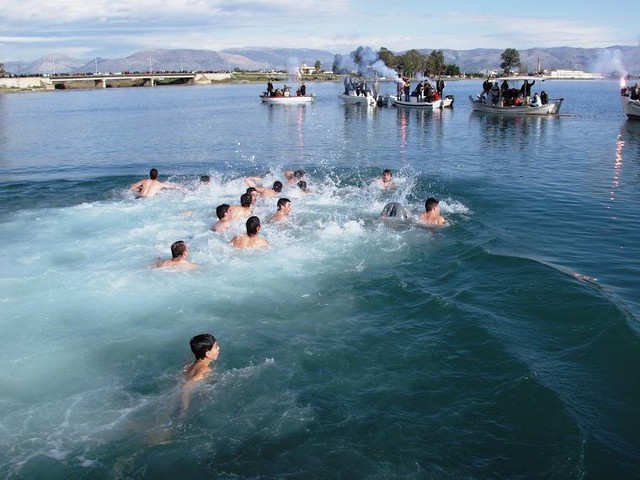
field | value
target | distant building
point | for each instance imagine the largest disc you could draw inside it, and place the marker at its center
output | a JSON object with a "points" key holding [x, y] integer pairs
{"points": [[574, 75], [306, 70]]}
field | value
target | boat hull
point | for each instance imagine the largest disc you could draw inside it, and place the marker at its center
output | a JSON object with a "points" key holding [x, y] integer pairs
{"points": [[357, 99], [445, 102], [297, 100], [551, 108], [631, 108]]}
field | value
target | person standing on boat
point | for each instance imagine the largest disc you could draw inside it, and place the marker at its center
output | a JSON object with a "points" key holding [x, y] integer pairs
{"points": [[526, 91], [440, 87]]}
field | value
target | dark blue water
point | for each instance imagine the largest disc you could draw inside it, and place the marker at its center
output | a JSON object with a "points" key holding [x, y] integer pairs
{"points": [[504, 345]]}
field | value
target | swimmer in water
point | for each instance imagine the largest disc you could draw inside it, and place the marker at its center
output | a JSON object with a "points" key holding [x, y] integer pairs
{"points": [[264, 191], [224, 218], [251, 239], [206, 350], [151, 186], [179, 254], [294, 177], [386, 180], [284, 209], [432, 216], [244, 209]]}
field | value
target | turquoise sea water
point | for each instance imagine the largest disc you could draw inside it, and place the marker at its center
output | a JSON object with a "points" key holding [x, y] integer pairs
{"points": [[502, 346]]}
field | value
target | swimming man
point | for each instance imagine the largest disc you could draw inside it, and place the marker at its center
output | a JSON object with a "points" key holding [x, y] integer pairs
{"points": [[224, 218], [432, 216], [284, 209], [179, 254], [206, 350], [251, 239], [149, 187]]}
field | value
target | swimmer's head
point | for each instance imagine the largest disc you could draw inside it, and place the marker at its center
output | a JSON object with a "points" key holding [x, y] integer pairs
{"points": [[431, 204], [245, 200], [277, 186], [253, 226], [299, 174], [153, 173], [221, 210], [282, 203], [178, 249], [205, 179], [202, 344], [303, 185], [387, 175]]}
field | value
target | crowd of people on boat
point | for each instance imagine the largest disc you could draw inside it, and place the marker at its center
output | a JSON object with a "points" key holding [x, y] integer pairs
{"points": [[504, 95], [424, 91], [285, 91], [358, 88], [632, 92]]}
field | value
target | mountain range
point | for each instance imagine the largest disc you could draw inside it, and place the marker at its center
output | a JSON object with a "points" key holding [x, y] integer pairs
{"points": [[613, 60]]}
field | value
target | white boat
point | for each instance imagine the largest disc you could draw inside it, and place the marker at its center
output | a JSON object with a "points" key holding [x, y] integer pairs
{"points": [[508, 96], [358, 92], [352, 98], [424, 96], [416, 102], [291, 100], [631, 102]]}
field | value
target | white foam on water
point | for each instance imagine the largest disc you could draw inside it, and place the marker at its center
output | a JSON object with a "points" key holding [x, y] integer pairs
{"points": [[94, 338]]}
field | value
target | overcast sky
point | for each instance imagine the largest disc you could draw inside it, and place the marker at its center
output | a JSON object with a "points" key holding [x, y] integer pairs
{"points": [[30, 29]]}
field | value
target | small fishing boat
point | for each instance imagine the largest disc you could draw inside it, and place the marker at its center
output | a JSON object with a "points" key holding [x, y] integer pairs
{"points": [[285, 97], [358, 92], [424, 96], [417, 102], [291, 100], [512, 96], [630, 97]]}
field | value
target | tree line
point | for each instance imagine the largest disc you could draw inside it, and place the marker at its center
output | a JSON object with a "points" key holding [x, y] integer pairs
{"points": [[412, 63]]}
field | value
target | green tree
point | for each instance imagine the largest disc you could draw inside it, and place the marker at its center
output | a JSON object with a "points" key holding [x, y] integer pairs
{"points": [[2, 72], [411, 62], [510, 60], [452, 70], [387, 57], [435, 63], [318, 66]]}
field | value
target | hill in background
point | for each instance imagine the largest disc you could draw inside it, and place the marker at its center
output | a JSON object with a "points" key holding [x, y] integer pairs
{"points": [[614, 60]]}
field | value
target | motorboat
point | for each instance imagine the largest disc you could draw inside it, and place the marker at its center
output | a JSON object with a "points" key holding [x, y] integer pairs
{"points": [[424, 96], [290, 100], [352, 98], [417, 102], [358, 92], [512, 96], [630, 97], [284, 96]]}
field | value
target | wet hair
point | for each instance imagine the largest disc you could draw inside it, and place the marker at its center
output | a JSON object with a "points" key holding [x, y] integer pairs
{"points": [[277, 186], [298, 174], [251, 189], [201, 344], [178, 248], [386, 170], [282, 202], [153, 173], [253, 223], [205, 178], [303, 185], [430, 204], [245, 200], [221, 210]]}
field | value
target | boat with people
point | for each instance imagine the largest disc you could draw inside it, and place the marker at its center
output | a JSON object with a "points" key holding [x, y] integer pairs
{"points": [[359, 92], [512, 96], [630, 97], [425, 96], [284, 96]]}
